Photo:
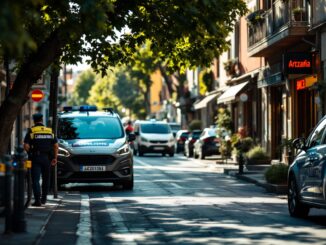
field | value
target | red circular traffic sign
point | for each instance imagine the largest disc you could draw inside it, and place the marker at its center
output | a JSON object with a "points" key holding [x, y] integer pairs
{"points": [[37, 95]]}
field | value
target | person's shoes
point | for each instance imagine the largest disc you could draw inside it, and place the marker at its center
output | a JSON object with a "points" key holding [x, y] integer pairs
{"points": [[43, 200], [37, 203]]}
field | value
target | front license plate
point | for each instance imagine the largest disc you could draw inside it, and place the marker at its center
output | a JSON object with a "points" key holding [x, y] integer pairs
{"points": [[93, 168], [158, 148]]}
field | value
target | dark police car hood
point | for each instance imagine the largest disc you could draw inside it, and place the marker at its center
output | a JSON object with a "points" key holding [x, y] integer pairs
{"points": [[94, 146]]}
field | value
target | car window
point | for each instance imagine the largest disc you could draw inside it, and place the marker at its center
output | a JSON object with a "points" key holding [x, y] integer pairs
{"points": [[317, 135], [90, 128], [155, 128], [175, 127]]}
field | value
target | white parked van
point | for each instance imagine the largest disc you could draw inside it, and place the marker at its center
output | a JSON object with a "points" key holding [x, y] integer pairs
{"points": [[153, 137]]}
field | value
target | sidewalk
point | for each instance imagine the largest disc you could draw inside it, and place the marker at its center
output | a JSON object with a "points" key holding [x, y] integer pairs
{"points": [[255, 176], [36, 219]]}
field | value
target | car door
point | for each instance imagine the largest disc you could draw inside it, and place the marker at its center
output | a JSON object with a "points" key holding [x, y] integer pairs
{"points": [[312, 171]]}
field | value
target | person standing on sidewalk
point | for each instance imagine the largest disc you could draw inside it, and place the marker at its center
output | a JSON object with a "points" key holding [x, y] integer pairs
{"points": [[42, 148]]}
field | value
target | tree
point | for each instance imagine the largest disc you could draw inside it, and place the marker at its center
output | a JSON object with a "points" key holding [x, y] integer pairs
{"points": [[36, 33], [101, 93], [82, 88], [127, 90]]}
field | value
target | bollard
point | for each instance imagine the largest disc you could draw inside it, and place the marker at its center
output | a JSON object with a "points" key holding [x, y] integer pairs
{"points": [[8, 194], [19, 223], [241, 163], [28, 166]]}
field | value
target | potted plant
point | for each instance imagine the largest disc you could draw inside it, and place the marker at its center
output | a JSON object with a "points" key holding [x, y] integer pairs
{"points": [[299, 14], [256, 17], [257, 156], [277, 174]]}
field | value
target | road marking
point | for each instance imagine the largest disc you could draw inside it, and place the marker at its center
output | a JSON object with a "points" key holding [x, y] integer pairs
{"points": [[176, 186], [84, 231], [142, 162], [121, 233]]}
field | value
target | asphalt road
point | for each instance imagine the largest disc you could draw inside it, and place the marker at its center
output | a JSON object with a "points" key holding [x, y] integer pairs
{"points": [[180, 201]]}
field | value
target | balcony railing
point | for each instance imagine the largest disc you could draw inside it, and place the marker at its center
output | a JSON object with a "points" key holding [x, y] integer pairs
{"points": [[282, 15]]}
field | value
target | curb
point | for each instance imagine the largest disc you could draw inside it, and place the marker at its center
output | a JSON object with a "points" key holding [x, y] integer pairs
{"points": [[44, 226], [277, 189]]}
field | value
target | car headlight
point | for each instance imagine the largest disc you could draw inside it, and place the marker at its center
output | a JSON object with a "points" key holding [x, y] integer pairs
{"points": [[63, 152], [171, 140], [123, 150], [144, 139]]}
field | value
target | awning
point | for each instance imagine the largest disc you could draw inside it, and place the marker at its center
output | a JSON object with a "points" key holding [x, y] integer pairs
{"points": [[231, 93], [203, 103]]}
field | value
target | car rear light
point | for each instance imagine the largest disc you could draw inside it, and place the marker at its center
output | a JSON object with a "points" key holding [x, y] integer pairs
{"points": [[183, 139], [193, 140], [217, 140]]}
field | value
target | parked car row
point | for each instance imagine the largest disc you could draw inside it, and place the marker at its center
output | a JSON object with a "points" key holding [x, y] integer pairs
{"points": [[198, 143]]}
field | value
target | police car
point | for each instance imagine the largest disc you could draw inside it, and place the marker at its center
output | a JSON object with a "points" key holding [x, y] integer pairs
{"points": [[93, 147]]}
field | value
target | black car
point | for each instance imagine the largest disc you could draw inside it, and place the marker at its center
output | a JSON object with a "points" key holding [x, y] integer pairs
{"points": [[307, 173], [180, 139], [208, 144], [189, 144]]}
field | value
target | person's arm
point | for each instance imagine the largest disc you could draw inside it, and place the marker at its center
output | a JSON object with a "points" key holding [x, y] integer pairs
{"points": [[26, 147], [55, 154]]}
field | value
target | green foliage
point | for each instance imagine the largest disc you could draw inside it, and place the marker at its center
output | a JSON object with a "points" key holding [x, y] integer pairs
{"points": [[226, 148], [257, 153], [224, 120], [101, 93], [127, 89], [195, 124], [178, 30], [241, 145], [82, 88], [277, 174], [205, 81]]}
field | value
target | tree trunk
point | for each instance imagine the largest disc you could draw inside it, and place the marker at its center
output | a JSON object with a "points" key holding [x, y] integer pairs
{"points": [[30, 71]]}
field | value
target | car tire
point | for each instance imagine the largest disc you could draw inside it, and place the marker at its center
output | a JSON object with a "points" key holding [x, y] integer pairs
{"points": [[296, 208], [171, 154], [129, 184], [201, 154], [135, 152], [140, 153], [195, 154]]}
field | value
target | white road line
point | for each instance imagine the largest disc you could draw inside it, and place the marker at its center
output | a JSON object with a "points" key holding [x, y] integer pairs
{"points": [[142, 162], [121, 233], [84, 230], [176, 186]]}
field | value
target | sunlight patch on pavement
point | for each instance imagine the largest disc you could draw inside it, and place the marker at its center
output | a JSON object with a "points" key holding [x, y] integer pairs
{"points": [[84, 230]]}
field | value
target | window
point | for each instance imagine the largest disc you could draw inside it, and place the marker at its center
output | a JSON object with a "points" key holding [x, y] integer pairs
{"points": [[316, 136]]}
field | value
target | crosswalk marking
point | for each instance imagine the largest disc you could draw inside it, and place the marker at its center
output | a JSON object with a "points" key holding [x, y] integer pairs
{"points": [[84, 231]]}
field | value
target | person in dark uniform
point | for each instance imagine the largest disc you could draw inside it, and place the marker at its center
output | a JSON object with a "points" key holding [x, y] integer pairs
{"points": [[42, 148]]}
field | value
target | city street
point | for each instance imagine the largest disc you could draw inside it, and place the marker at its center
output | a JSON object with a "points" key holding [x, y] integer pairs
{"points": [[179, 201]]}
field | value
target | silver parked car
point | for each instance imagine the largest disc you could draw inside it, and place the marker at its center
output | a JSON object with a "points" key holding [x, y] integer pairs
{"points": [[307, 173], [93, 147]]}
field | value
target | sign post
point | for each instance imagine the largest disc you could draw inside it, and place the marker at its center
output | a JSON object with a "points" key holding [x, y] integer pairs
{"points": [[37, 95]]}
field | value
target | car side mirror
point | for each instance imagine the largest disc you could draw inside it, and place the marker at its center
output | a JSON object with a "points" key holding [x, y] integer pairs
{"points": [[131, 137], [299, 143]]}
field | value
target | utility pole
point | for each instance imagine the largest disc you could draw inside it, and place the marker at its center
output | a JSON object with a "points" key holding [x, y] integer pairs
{"points": [[8, 82], [53, 114]]}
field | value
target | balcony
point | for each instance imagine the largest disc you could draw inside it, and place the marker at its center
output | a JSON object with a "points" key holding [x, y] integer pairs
{"points": [[277, 28]]}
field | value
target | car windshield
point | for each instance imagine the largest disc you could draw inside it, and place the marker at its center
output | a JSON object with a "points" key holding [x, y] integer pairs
{"points": [[90, 128], [155, 128], [175, 127]]}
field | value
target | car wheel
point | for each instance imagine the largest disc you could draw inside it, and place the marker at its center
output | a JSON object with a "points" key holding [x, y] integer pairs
{"points": [[296, 208], [140, 153], [171, 154], [135, 152], [195, 154], [129, 184], [201, 154]]}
